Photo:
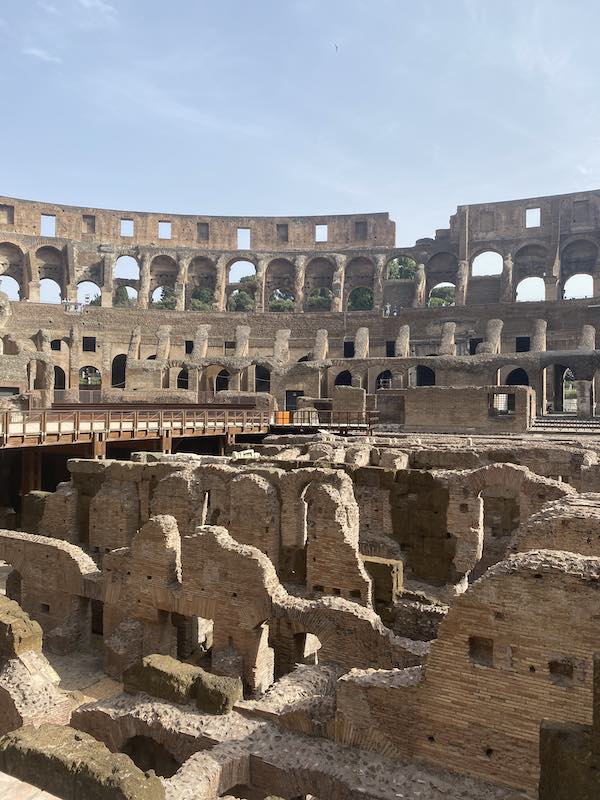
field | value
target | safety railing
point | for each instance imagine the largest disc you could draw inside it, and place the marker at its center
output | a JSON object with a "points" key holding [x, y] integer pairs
{"points": [[83, 424]]}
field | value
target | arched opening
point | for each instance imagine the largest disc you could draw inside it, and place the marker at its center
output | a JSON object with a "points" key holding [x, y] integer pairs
{"points": [[60, 379], [89, 293], [242, 286], [202, 280], [578, 286], [501, 517], [384, 380], [425, 376], [148, 754], [565, 391], [163, 297], [318, 284], [442, 294], [343, 378], [222, 381], [90, 378], [319, 300], [578, 257], [183, 379], [487, 263], [11, 266], [531, 290], [50, 263], [10, 287], [401, 267], [117, 373], [360, 299], [127, 268], [124, 297], [281, 300], [50, 291], [262, 379], [518, 377]]}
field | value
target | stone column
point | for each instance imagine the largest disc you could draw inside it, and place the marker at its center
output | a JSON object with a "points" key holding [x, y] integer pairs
{"points": [[163, 342], [144, 293], [506, 280], [587, 340], [321, 345], [180, 283], [74, 358], [551, 288], [261, 272], [281, 348], [447, 343], [361, 343], [242, 341], [462, 280], [299, 277], [493, 338], [33, 283], [584, 398], [201, 342], [220, 283], [420, 282], [380, 263], [538, 344], [134, 343], [106, 290], [402, 346], [337, 301]]}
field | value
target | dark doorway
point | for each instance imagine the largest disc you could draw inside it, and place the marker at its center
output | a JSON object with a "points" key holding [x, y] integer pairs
{"points": [[117, 377]]}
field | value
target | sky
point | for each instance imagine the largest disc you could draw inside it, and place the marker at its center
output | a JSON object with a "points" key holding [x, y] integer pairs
{"points": [[285, 107]]}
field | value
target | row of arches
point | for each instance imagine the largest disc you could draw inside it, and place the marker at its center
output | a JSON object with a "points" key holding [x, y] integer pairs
{"points": [[530, 289]]}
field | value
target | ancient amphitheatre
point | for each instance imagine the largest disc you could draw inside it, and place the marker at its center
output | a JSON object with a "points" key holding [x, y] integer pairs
{"points": [[289, 511]]}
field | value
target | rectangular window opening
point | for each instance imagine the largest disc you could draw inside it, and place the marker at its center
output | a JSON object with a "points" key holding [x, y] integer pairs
{"points": [[55, 344], [244, 238], [473, 345], [189, 347], [390, 349], [283, 233], [48, 225], [348, 349], [561, 671], [7, 215], [481, 651], [522, 344], [127, 227], [164, 230], [45, 608], [203, 231], [360, 230], [321, 233], [501, 404], [88, 223], [533, 217], [89, 344], [229, 346]]}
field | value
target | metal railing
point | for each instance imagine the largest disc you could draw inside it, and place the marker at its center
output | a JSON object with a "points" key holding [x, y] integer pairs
{"points": [[24, 428]]}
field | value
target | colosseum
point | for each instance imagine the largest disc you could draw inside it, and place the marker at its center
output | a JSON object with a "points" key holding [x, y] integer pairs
{"points": [[413, 613]]}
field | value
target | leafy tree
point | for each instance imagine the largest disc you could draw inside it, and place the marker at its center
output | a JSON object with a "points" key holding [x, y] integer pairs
{"points": [[361, 299], [248, 284], [441, 296], [319, 300], [96, 300], [240, 301], [122, 299], [281, 300], [168, 299], [202, 299], [402, 267]]}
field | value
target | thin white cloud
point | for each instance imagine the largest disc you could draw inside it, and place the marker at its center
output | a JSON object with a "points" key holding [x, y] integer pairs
{"points": [[49, 8], [41, 55], [101, 12]]}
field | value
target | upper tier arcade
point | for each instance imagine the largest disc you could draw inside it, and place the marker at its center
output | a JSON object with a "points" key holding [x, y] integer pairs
{"points": [[318, 263]]}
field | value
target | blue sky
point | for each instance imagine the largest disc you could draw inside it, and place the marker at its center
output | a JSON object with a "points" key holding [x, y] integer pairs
{"points": [[299, 106]]}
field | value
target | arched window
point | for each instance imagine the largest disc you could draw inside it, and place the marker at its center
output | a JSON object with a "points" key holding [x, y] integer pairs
{"points": [[425, 376], [343, 378], [60, 379], [127, 268], [183, 379], [442, 294], [242, 280], [531, 290], [222, 381], [401, 267], [578, 286], [163, 297], [50, 291], [262, 379], [10, 287], [487, 263], [89, 293], [360, 299], [90, 378], [518, 377], [117, 377], [384, 380]]}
